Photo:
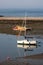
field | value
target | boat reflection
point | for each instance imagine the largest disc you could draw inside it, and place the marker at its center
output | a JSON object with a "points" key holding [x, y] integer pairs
{"points": [[27, 47]]}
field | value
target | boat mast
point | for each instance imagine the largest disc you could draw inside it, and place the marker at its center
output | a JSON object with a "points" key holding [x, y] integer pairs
{"points": [[25, 24]]}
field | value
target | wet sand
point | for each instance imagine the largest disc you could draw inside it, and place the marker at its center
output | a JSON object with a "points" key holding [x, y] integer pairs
{"points": [[28, 60], [14, 63], [35, 23], [38, 56]]}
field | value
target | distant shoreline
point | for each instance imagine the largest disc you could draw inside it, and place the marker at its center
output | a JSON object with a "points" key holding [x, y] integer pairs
{"points": [[20, 18]]}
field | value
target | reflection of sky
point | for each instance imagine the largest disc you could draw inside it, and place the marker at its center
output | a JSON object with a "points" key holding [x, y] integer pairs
{"points": [[8, 47]]}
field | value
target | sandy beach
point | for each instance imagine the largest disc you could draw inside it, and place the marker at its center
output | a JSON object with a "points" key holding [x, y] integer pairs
{"points": [[21, 18]]}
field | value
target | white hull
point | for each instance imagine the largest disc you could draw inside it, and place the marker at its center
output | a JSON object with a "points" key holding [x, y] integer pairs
{"points": [[26, 42]]}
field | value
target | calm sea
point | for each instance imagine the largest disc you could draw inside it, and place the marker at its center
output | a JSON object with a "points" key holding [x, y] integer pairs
{"points": [[21, 12]]}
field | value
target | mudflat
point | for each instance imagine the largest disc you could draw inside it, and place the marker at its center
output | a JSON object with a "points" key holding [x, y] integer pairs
{"points": [[35, 23]]}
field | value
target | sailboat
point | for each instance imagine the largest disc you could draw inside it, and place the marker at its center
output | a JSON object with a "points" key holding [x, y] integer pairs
{"points": [[25, 41]]}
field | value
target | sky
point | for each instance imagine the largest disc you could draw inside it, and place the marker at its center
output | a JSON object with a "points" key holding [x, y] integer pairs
{"points": [[21, 4]]}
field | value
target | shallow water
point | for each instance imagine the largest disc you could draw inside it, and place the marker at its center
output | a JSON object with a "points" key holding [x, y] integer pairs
{"points": [[8, 47]]}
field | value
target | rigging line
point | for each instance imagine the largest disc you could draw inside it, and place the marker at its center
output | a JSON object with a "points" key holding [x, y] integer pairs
{"points": [[19, 34], [25, 24], [19, 52], [18, 48], [20, 30], [25, 35]]}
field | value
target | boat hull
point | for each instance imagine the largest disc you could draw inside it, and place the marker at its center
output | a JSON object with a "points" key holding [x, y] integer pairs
{"points": [[25, 42]]}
